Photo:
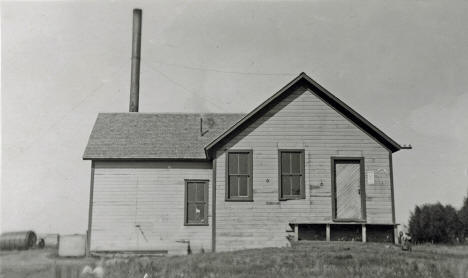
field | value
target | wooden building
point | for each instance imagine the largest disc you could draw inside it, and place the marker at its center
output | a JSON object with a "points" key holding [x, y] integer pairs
{"points": [[302, 165]]}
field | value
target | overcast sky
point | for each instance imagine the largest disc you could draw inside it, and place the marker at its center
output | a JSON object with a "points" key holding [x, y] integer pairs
{"points": [[402, 64]]}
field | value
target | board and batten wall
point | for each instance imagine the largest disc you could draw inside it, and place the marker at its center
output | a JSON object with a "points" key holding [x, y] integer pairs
{"points": [[139, 206], [299, 121]]}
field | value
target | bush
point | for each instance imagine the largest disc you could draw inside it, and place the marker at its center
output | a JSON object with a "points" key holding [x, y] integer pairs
{"points": [[436, 223]]}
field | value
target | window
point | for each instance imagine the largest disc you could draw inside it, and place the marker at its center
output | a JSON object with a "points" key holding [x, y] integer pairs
{"points": [[291, 174], [196, 202], [239, 175]]}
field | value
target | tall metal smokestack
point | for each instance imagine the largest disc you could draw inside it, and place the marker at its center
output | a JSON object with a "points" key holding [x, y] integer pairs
{"points": [[136, 51]]}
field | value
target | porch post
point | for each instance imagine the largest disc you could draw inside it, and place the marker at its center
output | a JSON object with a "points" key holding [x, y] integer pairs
{"points": [[364, 233], [328, 232], [395, 234]]}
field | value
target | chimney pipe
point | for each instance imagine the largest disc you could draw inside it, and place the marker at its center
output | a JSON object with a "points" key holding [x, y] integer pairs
{"points": [[136, 51]]}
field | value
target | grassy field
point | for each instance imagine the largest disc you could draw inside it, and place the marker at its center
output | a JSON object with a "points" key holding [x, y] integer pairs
{"points": [[304, 259]]}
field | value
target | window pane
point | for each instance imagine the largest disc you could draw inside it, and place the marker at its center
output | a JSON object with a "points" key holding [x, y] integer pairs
{"points": [[243, 163], [285, 185], [285, 163], [243, 181], [191, 191], [296, 185], [196, 213], [233, 168], [233, 186], [296, 163], [200, 192], [190, 212], [200, 213]]}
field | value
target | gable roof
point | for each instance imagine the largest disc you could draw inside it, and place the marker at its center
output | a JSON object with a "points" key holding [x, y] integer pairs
{"points": [[155, 135], [304, 80], [177, 136]]}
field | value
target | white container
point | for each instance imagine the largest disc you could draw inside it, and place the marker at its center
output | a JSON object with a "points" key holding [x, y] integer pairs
{"points": [[72, 245], [51, 240]]}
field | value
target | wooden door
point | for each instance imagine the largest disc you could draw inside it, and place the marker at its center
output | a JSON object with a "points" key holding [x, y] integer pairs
{"points": [[348, 189]]}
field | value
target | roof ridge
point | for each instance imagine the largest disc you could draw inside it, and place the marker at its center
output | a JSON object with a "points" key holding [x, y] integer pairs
{"points": [[173, 113], [326, 97]]}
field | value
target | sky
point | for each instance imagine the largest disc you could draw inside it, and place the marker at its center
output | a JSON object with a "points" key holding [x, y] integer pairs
{"points": [[403, 65]]}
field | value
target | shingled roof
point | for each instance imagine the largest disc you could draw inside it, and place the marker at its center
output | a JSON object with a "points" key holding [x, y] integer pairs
{"points": [[178, 135], [155, 135]]}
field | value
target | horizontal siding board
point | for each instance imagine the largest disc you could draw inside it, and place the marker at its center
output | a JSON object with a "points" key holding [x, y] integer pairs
{"points": [[300, 121], [150, 195]]}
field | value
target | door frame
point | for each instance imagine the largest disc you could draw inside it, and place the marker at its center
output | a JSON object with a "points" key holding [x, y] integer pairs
{"points": [[334, 160]]}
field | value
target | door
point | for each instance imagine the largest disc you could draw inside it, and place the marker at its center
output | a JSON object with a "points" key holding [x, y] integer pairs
{"points": [[348, 189], [114, 210]]}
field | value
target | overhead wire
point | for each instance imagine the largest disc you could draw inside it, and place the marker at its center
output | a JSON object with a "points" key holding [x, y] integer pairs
{"points": [[73, 108], [180, 85], [167, 77], [198, 68]]}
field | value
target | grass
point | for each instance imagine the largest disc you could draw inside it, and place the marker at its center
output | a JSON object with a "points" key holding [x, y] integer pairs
{"points": [[304, 259]]}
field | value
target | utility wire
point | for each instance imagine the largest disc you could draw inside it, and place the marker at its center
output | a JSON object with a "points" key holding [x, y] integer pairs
{"points": [[223, 71], [73, 108], [180, 85], [101, 85]]}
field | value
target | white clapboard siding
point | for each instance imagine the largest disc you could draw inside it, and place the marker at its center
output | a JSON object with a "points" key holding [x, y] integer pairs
{"points": [[151, 195], [299, 121]]}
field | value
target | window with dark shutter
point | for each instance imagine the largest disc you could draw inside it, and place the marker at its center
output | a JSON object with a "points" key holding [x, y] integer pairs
{"points": [[239, 175], [291, 174], [196, 202]]}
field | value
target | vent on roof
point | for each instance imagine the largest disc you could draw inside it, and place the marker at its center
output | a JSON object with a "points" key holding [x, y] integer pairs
{"points": [[202, 132], [206, 123]]}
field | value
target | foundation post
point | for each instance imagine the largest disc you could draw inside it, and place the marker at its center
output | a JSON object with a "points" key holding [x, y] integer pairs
{"points": [[296, 232], [328, 232], [395, 234], [364, 233]]}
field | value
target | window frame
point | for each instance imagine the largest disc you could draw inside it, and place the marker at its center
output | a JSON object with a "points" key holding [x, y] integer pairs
{"points": [[281, 197], [249, 197], [207, 188]]}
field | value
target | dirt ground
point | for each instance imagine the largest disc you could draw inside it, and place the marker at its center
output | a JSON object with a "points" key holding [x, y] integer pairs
{"points": [[303, 259]]}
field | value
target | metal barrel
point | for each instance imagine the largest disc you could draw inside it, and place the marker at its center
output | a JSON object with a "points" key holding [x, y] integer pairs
{"points": [[17, 240]]}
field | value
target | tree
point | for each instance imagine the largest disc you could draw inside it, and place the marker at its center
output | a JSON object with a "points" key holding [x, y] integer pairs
{"points": [[414, 225], [454, 227], [435, 223], [463, 216]]}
